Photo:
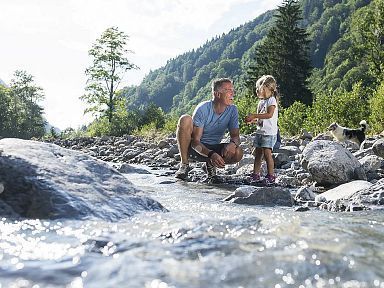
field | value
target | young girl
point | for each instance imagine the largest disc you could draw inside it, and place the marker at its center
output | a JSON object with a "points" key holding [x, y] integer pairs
{"points": [[266, 133]]}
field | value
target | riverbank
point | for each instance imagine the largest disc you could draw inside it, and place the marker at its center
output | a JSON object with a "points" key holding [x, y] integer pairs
{"points": [[307, 166]]}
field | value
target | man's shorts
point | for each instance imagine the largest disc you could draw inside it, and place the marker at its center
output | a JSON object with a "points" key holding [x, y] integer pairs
{"points": [[193, 155], [264, 141]]}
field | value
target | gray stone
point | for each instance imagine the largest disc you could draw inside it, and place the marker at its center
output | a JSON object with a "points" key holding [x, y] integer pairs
{"points": [[46, 181], [330, 163], [266, 196], [372, 195], [126, 168], [371, 163], [305, 194], [241, 192], [289, 150], [378, 148], [343, 191], [280, 159]]}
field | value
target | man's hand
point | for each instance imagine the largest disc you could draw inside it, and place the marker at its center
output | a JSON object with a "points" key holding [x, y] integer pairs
{"points": [[229, 150], [217, 160]]}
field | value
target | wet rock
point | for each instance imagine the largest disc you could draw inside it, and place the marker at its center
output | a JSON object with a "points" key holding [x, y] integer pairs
{"points": [[302, 209], [48, 182], [126, 168], [334, 165], [266, 196]]}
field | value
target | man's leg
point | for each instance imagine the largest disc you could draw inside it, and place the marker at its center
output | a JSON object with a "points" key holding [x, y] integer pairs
{"points": [[184, 136], [211, 169], [235, 157]]}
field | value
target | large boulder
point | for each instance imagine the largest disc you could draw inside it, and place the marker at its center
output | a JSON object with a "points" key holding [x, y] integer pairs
{"points": [[46, 181], [329, 163]]}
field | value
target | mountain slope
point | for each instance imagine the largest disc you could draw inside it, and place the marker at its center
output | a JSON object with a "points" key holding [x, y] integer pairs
{"points": [[185, 80]]}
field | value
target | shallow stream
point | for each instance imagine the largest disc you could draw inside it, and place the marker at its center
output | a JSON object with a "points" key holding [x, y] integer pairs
{"points": [[201, 242]]}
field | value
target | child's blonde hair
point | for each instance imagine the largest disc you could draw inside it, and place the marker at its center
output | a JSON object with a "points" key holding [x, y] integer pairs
{"points": [[270, 82]]}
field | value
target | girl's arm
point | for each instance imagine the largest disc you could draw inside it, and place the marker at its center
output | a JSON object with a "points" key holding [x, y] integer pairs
{"points": [[269, 114], [252, 117]]}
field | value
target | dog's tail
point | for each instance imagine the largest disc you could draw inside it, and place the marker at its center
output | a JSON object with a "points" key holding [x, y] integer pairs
{"points": [[363, 125]]}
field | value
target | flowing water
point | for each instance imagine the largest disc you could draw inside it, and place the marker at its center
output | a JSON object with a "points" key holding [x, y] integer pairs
{"points": [[201, 242]]}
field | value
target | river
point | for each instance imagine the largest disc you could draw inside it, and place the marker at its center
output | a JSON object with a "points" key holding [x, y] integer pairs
{"points": [[201, 242]]}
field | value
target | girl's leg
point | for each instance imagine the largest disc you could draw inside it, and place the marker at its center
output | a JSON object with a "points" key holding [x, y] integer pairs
{"points": [[257, 162], [268, 158]]}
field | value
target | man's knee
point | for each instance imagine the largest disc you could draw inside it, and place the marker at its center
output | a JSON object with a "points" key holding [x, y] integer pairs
{"points": [[185, 123], [235, 157], [238, 155]]}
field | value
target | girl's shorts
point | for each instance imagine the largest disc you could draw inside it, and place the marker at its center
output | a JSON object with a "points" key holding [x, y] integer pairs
{"points": [[264, 141]]}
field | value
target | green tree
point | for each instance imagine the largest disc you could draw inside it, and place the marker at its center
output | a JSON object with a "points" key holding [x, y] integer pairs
{"points": [[376, 119], [153, 115], [368, 32], [284, 53], [5, 112], [341, 106], [106, 72], [292, 119], [27, 115]]}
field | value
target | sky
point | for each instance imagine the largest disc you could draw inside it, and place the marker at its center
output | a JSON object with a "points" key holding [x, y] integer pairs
{"points": [[50, 40]]}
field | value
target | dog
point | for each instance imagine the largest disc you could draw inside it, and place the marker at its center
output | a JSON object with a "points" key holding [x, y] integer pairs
{"points": [[355, 135]]}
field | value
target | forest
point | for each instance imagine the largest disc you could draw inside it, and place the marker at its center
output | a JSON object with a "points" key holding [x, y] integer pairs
{"points": [[333, 58], [327, 56]]}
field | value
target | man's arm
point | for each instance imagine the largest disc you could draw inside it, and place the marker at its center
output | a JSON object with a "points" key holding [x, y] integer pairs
{"points": [[197, 132], [216, 159], [235, 136]]}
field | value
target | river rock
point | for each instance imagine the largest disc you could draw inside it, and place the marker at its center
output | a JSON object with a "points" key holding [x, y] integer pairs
{"points": [[371, 163], [290, 150], [371, 195], [343, 191], [329, 163], [46, 181], [378, 148], [266, 196], [305, 193]]}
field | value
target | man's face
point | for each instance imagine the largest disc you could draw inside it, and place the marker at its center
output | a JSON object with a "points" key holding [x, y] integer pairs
{"points": [[226, 93]]}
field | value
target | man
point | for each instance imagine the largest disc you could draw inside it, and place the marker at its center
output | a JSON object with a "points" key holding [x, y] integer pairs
{"points": [[199, 136]]}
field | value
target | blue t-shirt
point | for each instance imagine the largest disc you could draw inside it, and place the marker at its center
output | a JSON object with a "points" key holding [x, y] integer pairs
{"points": [[214, 125]]}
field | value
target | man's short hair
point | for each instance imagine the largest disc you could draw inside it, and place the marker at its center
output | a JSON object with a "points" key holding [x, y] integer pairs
{"points": [[216, 84]]}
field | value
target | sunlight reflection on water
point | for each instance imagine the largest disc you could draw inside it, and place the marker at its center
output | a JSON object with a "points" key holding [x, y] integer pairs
{"points": [[201, 242]]}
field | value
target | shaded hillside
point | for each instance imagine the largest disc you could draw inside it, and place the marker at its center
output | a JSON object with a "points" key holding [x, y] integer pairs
{"points": [[185, 80]]}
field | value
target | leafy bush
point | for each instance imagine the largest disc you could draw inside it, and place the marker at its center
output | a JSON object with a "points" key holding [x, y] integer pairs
{"points": [[170, 124], [343, 107], [246, 104], [376, 104], [291, 119]]}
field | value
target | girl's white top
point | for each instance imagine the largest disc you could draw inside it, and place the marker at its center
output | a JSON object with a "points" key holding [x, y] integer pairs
{"points": [[267, 126]]}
